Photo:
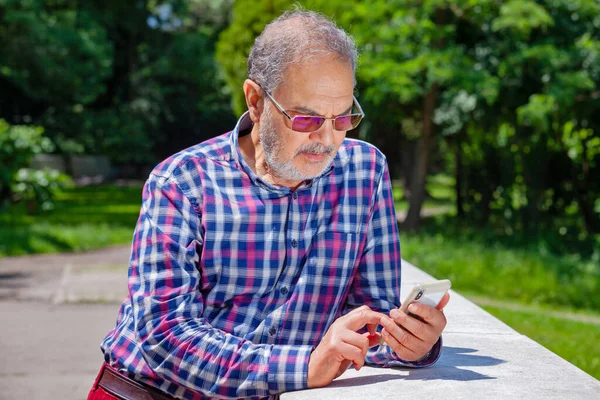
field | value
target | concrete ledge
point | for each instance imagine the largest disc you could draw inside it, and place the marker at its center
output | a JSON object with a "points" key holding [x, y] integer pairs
{"points": [[482, 358]]}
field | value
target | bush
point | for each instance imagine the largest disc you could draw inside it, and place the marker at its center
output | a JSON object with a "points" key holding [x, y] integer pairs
{"points": [[18, 145]]}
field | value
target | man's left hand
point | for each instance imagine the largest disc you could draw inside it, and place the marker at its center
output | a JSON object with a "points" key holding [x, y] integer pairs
{"points": [[410, 338]]}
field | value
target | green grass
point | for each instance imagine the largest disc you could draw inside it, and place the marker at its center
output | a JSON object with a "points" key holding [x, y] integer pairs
{"points": [[576, 342], [83, 218], [514, 269]]}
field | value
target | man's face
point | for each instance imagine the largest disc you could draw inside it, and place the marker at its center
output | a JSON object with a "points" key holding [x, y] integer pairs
{"points": [[321, 87]]}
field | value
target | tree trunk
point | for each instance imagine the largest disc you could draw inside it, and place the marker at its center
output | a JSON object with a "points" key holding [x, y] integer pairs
{"points": [[591, 220], [408, 165], [419, 177]]}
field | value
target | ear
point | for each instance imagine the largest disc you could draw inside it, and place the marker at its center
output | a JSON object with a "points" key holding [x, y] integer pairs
{"points": [[254, 99]]}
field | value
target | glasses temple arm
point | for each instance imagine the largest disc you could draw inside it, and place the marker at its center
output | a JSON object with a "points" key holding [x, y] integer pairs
{"points": [[277, 105], [358, 106]]}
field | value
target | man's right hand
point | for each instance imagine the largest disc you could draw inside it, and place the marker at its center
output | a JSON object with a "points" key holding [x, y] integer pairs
{"points": [[342, 346]]}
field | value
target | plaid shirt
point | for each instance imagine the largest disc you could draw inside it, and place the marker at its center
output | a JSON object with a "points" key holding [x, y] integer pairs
{"points": [[233, 281]]}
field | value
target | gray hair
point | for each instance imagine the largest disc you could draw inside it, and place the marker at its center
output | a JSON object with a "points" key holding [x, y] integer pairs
{"points": [[292, 38]]}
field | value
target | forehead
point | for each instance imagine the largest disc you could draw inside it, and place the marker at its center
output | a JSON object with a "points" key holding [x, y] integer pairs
{"points": [[324, 84]]}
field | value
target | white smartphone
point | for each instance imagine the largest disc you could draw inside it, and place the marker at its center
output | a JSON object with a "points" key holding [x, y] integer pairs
{"points": [[429, 293]]}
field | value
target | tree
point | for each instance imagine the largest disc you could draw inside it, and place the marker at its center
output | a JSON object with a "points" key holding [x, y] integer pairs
{"points": [[134, 82]]}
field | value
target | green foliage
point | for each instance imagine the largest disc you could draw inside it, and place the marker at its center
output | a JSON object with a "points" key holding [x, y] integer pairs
{"points": [[521, 17], [18, 145], [38, 187], [61, 56], [537, 112], [114, 79]]}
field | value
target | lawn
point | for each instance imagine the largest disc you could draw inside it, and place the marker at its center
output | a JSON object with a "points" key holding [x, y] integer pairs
{"points": [[84, 218]]}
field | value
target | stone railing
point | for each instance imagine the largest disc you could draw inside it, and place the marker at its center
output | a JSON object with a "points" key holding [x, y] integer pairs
{"points": [[481, 358]]}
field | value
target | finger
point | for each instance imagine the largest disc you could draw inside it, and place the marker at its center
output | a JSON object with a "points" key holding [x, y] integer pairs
{"points": [[443, 302], [428, 314], [349, 352], [423, 331], [403, 336], [402, 351], [358, 364], [372, 328], [374, 338], [360, 317], [358, 340]]}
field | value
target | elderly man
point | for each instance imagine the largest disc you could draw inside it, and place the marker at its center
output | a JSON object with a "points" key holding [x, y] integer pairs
{"points": [[267, 259]]}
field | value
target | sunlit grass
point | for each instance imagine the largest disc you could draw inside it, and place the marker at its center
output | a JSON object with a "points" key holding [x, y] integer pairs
{"points": [[83, 218], [502, 271]]}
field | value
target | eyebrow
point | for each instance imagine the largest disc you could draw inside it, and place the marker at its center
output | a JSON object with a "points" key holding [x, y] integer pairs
{"points": [[308, 111]]}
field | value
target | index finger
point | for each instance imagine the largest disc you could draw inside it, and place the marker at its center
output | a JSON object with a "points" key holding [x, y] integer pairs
{"points": [[358, 318], [443, 301]]}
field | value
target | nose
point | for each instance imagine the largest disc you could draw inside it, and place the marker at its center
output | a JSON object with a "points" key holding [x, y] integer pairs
{"points": [[325, 134]]}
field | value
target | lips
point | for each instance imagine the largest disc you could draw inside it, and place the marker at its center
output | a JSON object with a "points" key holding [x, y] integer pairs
{"points": [[315, 157]]}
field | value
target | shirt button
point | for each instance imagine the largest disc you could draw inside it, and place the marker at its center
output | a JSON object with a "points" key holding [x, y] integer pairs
{"points": [[283, 290], [295, 195], [272, 330], [294, 243]]}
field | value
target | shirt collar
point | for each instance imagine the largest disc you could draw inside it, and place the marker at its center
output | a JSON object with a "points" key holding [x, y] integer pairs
{"points": [[245, 123]]}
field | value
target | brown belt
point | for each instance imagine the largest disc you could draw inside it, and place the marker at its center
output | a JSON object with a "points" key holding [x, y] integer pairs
{"points": [[128, 389]]}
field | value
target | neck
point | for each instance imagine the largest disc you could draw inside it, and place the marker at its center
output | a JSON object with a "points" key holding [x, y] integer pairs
{"points": [[254, 156]]}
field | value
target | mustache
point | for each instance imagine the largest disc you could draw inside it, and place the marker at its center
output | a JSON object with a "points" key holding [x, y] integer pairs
{"points": [[315, 148]]}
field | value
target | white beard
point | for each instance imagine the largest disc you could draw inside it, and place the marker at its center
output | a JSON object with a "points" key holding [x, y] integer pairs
{"points": [[273, 148]]}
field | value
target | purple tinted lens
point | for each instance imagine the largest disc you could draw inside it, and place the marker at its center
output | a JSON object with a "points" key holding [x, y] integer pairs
{"points": [[347, 122], [307, 124]]}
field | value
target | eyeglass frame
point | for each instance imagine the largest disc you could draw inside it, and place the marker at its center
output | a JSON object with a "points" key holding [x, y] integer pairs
{"points": [[282, 110]]}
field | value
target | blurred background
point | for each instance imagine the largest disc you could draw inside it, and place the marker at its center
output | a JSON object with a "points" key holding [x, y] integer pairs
{"points": [[488, 112]]}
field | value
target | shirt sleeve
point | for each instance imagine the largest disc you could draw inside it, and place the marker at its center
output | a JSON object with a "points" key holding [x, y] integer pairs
{"points": [[377, 283], [176, 341]]}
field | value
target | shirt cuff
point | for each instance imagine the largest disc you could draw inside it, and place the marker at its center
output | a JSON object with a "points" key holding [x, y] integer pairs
{"points": [[384, 356], [288, 368], [426, 361]]}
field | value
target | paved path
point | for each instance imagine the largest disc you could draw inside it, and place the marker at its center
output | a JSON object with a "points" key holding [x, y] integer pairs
{"points": [[55, 310]]}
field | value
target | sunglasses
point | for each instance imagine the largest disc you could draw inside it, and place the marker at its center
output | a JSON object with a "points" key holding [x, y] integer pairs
{"points": [[306, 123]]}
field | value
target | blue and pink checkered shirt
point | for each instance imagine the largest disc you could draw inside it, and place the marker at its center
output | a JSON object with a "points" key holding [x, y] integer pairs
{"points": [[233, 281]]}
